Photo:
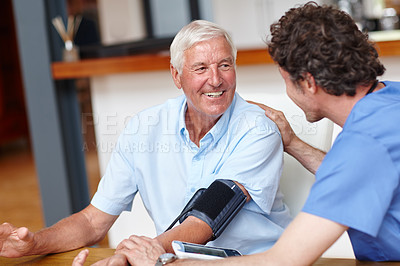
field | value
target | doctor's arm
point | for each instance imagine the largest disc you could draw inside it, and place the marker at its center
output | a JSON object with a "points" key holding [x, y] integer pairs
{"points": [[306, 154], [302, 243]]}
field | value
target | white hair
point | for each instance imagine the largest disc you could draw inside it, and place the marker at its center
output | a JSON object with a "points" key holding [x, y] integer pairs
{"points": [[194, 32]]}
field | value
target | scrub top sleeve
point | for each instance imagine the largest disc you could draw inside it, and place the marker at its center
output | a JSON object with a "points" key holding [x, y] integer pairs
{"points": [[354, 184]]}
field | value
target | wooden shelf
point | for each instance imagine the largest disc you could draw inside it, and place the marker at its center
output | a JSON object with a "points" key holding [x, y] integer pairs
{"points": [[153, 62], [389, 48], [111, 65]]}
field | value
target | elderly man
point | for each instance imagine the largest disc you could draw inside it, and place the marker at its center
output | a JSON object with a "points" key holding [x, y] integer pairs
{"points": [[208, 133]]}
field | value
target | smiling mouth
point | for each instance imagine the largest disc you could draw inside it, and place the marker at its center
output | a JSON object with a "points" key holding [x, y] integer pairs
{"points": [[214, 94]]}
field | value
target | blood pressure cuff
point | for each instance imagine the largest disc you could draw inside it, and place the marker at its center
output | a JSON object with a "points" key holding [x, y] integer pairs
{"points": [[217, 205]]}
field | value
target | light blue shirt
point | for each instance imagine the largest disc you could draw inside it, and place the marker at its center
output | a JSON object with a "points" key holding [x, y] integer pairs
{"points": [[155, 157]]}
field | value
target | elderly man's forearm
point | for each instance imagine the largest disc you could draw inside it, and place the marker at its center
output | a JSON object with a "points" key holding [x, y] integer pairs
{"points": [[191, 230], [84, 228]]}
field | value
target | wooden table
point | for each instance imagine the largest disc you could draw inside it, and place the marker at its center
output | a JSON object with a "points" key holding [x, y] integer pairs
{"points": [[96, 254], [350, 262], [65, 258]]}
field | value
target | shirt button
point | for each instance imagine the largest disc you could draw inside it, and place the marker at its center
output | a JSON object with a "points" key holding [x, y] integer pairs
{"points": [[192, 189]]}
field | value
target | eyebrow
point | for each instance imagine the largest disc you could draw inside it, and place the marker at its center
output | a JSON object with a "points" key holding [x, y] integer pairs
{"points": [[197, 64], [227, 59]]}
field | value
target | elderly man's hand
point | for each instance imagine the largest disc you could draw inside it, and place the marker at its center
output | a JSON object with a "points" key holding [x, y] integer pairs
{"points": [[116, 260], [15, 242], [280, 120], [140, 250]]}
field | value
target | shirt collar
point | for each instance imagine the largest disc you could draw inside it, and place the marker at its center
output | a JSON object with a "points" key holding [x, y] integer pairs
{"points": [[216, 132], [183, 133]]}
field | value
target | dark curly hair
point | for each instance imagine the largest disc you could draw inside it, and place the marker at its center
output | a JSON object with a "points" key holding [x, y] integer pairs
{"points": [[326, 43]]}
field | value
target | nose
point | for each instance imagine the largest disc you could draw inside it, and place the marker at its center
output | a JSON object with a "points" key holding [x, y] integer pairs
{"points": [[214, 79]]}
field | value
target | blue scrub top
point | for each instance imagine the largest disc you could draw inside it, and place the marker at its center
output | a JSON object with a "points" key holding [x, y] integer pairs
{"points": [[358, 182]]}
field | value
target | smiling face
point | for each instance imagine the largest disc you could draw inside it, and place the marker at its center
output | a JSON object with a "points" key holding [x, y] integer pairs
{"points": [[208, 78]]}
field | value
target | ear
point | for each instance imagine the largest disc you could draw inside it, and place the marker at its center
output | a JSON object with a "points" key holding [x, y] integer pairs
{"points": [[309, 84], [175, 76]]}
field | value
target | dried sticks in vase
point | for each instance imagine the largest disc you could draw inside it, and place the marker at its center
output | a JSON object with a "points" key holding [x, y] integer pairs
{"points": [[67, 34]]}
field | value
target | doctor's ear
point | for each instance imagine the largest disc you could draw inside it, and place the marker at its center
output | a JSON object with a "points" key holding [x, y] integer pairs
{"points": [[309, 83]]}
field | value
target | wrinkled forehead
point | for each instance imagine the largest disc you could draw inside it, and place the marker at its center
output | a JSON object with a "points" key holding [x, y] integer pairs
{"points": [[209, 51]]}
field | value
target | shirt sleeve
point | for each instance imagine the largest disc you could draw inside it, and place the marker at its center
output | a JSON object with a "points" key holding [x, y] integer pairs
{"points": [[354, 184], [118, 187], [255, 161]]}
